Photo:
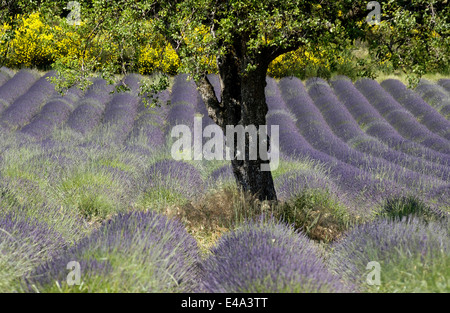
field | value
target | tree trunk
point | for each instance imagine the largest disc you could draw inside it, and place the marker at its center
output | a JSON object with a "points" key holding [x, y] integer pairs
{"points": [[243, 102], [248, 173]]}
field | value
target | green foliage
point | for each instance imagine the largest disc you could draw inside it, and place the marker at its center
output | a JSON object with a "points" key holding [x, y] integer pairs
{"points": [[315, 212], [187, 36], [405, 206], [415, 275], [7, 197], [413, 36]]}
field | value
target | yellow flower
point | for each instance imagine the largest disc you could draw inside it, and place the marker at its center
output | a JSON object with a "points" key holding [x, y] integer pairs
{"points": [[435, 34]]}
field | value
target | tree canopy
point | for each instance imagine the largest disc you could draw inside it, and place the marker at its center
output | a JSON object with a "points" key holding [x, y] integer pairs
{"points": [[413, 34]]}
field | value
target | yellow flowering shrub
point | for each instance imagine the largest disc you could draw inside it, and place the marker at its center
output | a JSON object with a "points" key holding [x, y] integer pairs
{"points": [[32, 44], [162, 56], [159, 54], [300, 58], [37, 44]]}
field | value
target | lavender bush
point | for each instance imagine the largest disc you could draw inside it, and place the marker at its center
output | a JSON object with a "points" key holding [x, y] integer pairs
{"points": [[390, 243], [28, 104], [267, 257], [147, 131], [184, 91], [445, 83], [292, 183], [435, 95], [351, 179], [4, 75], [273, 96], [354, 135], [86, 116], [312, 122], [15, 87], [180, 114], [318, 133], [120, 114], [24, 244], [52, 115], [132, 82], [174, 176], [18, 228], [133, 252]]}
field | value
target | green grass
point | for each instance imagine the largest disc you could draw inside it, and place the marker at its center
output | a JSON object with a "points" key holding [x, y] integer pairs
{"points": [[159, 199], [317, 213], [94, 193], [405, 206], [413, 275]]}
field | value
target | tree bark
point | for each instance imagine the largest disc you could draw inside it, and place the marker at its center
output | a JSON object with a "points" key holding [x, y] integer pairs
{"points": [[243, 102], [254, 109]]}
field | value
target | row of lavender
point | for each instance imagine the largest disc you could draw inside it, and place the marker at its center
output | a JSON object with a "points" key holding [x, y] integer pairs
{"points": [[369, 146], [328, 132], [90, 110], [146, 252], [31, 106]]}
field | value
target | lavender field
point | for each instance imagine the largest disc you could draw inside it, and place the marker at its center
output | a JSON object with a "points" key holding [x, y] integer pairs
{"points": [[364, 176]]}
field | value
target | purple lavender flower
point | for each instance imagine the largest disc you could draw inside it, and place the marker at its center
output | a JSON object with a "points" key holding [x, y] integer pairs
{"points": [[223, 172], [435, 95], [119, 115], [132, 81], [120, 104], [52, 114], [346, 127], [177, 176], [180, 114], [273, 96], [400, 118], [28, 104], [318, 133], [292, 183], [184, 91], [350, 179], [152, 131], [267, 257], [5, 75], [16, 86], [38, 241], [375, 125], [387, 242], [86, 116], [161, 248], [423, 112], [3, 78], [162, 107], [445, 82], [100, 86]]}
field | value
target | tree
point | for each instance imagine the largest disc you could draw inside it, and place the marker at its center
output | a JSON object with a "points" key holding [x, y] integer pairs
{"points": [[414, 36], [243, 36]]}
